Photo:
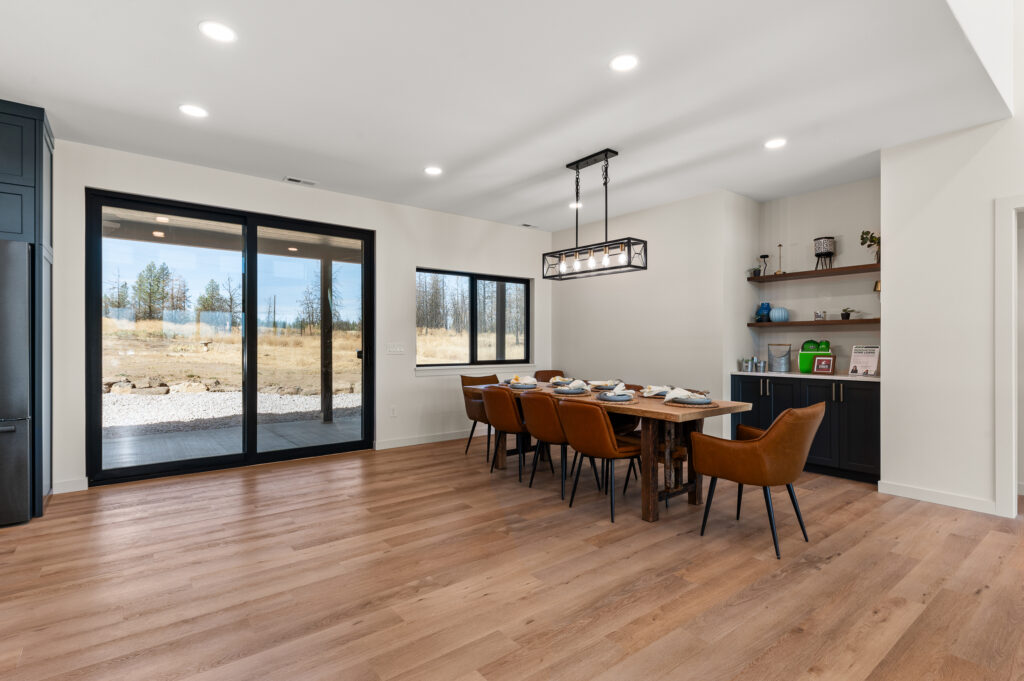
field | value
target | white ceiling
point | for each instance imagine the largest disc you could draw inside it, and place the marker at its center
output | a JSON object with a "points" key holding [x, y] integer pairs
{"points": [[361, 95]]}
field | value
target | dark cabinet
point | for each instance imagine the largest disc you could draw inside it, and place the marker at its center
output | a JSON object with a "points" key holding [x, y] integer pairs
{"points": [[848, 442], [26, 170]]}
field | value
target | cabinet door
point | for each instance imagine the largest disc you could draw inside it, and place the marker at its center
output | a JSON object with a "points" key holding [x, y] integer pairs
{"points": [[782, 394], [825, 447], [17, 212], [17, 150], [749, 389], [859, 427]]}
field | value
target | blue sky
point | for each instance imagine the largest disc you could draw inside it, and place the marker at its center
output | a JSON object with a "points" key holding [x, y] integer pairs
{"points": [[285, 277]]}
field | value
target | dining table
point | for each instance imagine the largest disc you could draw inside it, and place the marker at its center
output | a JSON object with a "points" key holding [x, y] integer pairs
{"points": [[663, 427]]}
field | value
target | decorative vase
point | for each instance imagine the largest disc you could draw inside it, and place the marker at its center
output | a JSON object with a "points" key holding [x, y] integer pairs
{"points": [[844, 315], [763, 312], [778, 314]]}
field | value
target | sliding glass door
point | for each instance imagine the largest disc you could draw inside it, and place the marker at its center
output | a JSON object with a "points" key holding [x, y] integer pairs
{"points": [[220, 338]]}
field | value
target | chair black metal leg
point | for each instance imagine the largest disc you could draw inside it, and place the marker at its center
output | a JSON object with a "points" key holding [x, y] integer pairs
{"points": [[605, 465], [796, 507], [771, 519], [575, 459], [564, 456], [631, 469], [522, 455], [575, 484], [611, 486], [494, 457], [533, 471], [469, 440], [488, 442], [739, 500], [707, 504], [593, 467], [551, 462]]}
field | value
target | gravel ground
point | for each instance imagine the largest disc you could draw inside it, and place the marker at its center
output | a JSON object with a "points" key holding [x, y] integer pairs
{"points": [[141, 414]]}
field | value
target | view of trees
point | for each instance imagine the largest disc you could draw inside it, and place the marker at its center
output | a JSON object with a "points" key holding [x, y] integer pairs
{"points": [[442, 302]]}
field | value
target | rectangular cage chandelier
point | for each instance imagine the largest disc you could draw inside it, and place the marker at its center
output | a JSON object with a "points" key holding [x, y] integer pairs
{"points": [[611, 256]]}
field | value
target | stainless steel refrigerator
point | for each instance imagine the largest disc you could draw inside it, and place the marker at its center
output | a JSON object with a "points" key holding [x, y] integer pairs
{"points": [[15, 382]]}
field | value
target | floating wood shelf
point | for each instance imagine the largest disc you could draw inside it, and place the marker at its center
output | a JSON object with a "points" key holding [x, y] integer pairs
{"points": [[814, 274], [825, 322]]}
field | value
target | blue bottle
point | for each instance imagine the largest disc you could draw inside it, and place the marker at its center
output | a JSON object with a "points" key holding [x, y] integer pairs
{"points": [[763, 312]]}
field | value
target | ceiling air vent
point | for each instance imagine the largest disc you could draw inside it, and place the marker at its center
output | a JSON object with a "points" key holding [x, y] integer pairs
{"points": [[298, 180]]}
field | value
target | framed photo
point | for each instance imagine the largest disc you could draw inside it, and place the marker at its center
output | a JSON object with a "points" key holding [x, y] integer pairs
{"points": [[826, 364]]}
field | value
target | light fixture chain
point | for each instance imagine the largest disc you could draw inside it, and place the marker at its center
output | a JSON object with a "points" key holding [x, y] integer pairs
{"points": [[604, 175], [577, 207]]}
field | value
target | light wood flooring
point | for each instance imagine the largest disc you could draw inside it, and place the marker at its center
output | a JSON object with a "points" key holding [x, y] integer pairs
{"points": [[416, 564]]}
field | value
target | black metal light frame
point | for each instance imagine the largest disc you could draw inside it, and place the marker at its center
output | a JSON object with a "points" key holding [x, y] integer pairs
{"points": [[611, 256]]}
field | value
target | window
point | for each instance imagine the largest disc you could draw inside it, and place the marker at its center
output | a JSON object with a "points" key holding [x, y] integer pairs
{"points": [[471, 318]]}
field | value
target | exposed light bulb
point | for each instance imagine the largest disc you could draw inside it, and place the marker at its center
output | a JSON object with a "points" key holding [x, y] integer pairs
{"points": [[576, 263], [562, 267], [590, 261], [604, 258], [622, 256]]}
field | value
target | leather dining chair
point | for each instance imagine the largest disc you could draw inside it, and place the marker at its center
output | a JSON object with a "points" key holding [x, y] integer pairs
{"points": [[590, 433], [503, 413], [760, 457], [545, 375], [540, 413], [475, 407], [625, 424]]}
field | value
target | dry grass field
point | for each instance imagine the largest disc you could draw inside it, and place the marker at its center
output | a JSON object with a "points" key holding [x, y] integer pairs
{"points": [[440, 346], [176, 353]]}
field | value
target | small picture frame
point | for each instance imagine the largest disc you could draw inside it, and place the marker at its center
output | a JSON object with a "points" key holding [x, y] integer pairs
{"points": [[825, 364]]}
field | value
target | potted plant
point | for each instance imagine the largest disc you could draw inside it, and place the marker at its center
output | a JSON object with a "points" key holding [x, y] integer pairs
{"points": [[872, 240], [847, 311]]}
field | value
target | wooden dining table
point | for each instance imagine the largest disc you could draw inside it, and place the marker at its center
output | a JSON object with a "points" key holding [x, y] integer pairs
{"points": [[662, 428]]}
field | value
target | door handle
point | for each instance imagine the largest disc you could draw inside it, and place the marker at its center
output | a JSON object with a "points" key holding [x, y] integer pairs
{"points": [[359, 354], [760, 387], [833, 392], [840, 392], [7, 429], [768, 387]]}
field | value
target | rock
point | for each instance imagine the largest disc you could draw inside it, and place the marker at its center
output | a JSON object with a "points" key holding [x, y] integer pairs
{"points": [[122, 388], [152, 390], [270, 389], [293, 390], [189, 387], [211, 383]]}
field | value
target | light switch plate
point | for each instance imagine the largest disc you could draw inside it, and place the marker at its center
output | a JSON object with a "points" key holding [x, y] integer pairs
{"points": [[394, 348]]}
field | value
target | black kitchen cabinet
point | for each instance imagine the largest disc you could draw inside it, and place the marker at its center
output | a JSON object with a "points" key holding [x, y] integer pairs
{"points": [[848, 443], [26, 210]]}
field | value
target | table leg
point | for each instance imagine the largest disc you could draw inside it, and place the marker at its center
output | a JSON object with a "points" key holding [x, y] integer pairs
{"points": [[697, 491], [501, 445], [651, 436]]}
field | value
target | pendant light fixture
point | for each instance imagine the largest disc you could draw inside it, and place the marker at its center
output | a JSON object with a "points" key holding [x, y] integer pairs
{"points": [[611, 256]]}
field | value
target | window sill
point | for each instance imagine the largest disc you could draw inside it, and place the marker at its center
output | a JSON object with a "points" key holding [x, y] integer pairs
{"points": [[473, 369]]}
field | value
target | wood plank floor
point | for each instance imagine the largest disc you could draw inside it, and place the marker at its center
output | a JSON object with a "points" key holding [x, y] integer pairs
{"points": [[416, 564]]}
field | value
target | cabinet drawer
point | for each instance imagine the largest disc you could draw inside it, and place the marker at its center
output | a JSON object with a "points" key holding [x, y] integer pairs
{"points": [[17, 150], [17, 212]]}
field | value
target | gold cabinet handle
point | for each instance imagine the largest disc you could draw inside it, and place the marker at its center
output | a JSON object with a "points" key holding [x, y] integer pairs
{"points": [[833, 392], [840, 392]]}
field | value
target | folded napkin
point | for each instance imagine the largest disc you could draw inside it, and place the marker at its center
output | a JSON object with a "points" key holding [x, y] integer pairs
{"points": [[684, 394], [652, 390], [576, 384], [524, 380], [603, 383], [620, 389], [558, 379]]}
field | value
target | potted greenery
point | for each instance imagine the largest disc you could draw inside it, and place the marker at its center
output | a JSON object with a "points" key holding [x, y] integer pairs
{"points": [[872, 240], [847, 311]]}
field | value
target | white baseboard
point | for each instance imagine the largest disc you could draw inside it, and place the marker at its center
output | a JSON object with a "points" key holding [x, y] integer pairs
{"points": [[72, 485], [423, 439], [938, 497]]}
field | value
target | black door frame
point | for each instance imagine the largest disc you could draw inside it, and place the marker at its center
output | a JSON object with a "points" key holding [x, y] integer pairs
{"points": [[95, 200]]}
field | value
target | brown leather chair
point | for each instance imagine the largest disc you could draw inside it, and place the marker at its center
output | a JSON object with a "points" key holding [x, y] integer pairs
{"points": [[545, 375], [475, 407], [626, 424], [540, 413], [589, 431], [503, 413], [760, 457]]}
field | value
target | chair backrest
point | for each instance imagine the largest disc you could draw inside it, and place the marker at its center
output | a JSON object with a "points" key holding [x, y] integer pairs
{"points": [[787, 442], [474, 403], [545, 375], [587, 428], [502, 412], [541, 416]]}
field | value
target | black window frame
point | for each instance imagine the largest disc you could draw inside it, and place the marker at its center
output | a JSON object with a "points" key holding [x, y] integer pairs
{"points": [[474, 277]]}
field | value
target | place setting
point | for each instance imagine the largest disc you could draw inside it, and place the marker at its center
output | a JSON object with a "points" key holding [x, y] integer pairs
{"points": [[680, 397]]}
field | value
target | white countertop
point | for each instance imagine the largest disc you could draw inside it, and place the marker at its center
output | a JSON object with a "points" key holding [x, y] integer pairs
{"points": [[837, 377]]}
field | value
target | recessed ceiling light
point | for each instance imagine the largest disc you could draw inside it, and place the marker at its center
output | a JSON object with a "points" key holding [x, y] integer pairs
{"points": [[624, 62], [161, 218], [575, 204], [432, 170], [214, 30], [775, 143], [193, 110], [292, 249], [158, 235]]}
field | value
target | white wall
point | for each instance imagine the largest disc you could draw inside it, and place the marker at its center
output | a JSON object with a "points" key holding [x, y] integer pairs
{"points": [[987, 24], [842, 211], [429, 407], [682, 321], [937, 224]]}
